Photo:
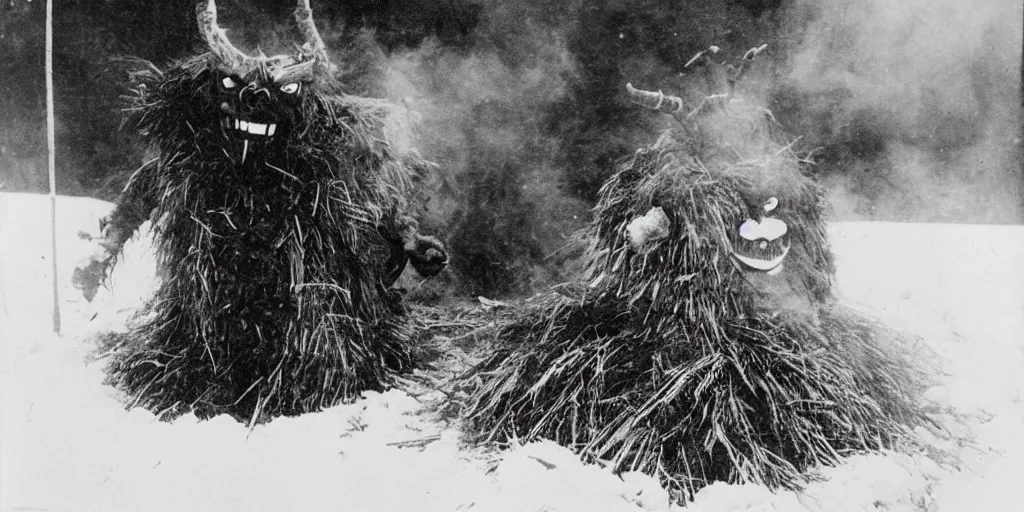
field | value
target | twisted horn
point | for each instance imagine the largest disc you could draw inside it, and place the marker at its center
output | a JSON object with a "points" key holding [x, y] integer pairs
{"points": [[221, 49], [655, 100], [312, 44]]}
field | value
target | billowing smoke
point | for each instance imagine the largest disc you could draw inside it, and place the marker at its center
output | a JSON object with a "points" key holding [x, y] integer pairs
{"points": [[916, 104], [526, 120], [912, 107], [497, 197]]}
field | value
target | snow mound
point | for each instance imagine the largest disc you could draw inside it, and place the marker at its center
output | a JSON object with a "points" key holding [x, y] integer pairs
{"points": [[68, 444]]}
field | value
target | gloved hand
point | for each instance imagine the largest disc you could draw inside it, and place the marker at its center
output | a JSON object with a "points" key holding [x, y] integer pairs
{"points": [[427, 255]]}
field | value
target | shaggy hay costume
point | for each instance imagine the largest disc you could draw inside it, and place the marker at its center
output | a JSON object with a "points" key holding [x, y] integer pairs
{"points": [[277, 209], [707, 345]]}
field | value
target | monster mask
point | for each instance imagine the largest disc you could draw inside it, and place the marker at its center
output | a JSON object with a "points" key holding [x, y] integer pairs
{"points": [[259, 99], [760, 243]]}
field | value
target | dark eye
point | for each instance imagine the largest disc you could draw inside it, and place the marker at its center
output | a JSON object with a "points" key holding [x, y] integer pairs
{"points": [[228, 82], [291, 88]]}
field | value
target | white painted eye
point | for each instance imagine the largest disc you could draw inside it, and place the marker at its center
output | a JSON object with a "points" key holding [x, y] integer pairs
{"points": [[769, 229], [291, 88], [228, 82], [771, 204]]}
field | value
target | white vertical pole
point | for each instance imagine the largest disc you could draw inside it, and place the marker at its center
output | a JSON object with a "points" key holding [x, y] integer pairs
{"points": [[51, 161]]}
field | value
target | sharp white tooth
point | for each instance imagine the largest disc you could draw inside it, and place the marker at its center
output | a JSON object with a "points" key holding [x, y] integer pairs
{"points": [[270, 130], [244, 126], [245, 149], [257, 128], [236, 124]]}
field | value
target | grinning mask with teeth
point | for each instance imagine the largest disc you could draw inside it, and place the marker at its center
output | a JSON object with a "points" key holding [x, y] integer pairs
{"points": [[279, 218], [259, 99], [761, 245]]}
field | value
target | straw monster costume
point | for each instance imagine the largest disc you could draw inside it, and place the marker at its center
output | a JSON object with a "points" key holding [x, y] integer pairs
{"points": [[705, 343], [278, 209]]}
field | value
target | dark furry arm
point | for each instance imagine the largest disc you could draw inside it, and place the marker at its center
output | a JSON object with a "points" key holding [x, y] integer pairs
{"points": [[427, 254], [133, 208]]}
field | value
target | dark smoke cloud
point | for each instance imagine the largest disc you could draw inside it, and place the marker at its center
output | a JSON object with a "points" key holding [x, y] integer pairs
{"points": [[913, 106], [527, 119], [498, 196]]}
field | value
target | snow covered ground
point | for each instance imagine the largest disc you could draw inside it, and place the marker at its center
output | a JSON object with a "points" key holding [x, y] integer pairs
{"points": [[68, 444]]}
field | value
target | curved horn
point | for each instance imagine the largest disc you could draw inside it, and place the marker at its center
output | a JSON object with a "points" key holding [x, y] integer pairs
{"points": [[221, 50], [655, 100], [312, 44]]}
